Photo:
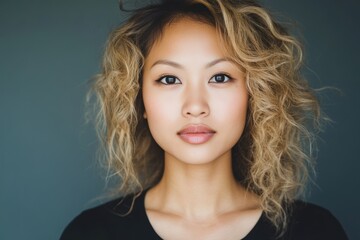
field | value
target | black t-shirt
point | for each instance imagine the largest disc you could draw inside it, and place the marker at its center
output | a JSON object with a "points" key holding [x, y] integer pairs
{"points": [[110, 221]]}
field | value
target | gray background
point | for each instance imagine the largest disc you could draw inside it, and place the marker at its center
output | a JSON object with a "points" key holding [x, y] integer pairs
{"points": [[48, 51]]}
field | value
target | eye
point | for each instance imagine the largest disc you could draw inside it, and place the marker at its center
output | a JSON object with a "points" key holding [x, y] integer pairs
{"points": [[220, 78], [169, 80]]}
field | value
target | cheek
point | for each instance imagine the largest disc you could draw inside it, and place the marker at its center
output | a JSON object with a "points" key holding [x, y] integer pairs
{"points": [[162, 116], [162, 111], [232, 108], [232, 118]]}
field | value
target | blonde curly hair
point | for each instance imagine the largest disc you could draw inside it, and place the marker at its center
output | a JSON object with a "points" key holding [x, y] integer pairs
{"points": [[272, 157]]}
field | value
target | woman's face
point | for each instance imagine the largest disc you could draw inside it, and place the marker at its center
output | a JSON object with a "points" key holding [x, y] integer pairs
{"points": [[195, 98]]}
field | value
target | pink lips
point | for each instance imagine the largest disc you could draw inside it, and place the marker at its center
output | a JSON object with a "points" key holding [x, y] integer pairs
{"points": [[196, 134]]}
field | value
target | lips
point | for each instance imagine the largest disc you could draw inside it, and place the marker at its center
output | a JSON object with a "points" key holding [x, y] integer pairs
{"points": [[196, 134]]}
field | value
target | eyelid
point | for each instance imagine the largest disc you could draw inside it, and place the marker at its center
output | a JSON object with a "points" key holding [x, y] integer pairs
{"points": [[159, 80], [223, 74]]}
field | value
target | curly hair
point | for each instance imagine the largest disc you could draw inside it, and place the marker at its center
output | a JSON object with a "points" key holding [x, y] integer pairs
{"points": [[273, 156]]}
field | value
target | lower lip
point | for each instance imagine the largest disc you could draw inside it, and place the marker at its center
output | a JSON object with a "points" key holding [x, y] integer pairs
{"points": [[196, 138]]}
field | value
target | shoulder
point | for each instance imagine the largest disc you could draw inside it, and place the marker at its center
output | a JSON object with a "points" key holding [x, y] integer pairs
{"points": [[112, 220], [309, 221]]}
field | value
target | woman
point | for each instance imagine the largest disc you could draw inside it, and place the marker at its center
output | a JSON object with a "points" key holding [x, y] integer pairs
{"points": [[206, 123]]}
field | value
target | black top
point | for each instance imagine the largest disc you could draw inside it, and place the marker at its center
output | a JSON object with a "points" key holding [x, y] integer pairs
{"points": [[110, 221]]}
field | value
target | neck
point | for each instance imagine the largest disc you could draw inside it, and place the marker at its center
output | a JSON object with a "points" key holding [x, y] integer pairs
{"points": [[198, 191]]}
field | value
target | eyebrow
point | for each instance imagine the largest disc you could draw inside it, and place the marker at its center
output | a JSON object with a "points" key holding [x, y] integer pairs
{"points": [[177, 65]]}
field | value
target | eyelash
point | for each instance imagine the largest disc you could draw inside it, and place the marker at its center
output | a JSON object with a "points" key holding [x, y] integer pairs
{"points": [[177, 80], [160, 80], [229, 78]]}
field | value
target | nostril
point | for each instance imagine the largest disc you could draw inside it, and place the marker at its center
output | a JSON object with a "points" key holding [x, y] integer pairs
{"points": [[196, 109], [196, 114]]}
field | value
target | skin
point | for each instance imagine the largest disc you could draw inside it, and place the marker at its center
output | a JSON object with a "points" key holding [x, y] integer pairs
{"points": [[198, 196]]}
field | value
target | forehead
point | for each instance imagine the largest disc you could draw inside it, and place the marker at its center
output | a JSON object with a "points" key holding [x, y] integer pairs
{"points": [[186, 37]]}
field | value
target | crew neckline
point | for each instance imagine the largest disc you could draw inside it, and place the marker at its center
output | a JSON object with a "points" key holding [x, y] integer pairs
{"points": [[250, 235]]}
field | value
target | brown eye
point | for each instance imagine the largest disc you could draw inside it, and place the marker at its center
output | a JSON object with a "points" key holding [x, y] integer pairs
{"points": [[220, 78], [168, 80]]}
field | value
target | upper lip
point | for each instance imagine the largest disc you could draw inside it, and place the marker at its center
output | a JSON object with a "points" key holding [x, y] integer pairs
{"points": [[196, 128]]}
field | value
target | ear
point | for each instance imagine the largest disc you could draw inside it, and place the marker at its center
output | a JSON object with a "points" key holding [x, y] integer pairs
{"points": [[144, 115]]}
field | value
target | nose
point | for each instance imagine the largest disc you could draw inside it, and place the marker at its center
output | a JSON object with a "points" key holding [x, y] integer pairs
{"points": [[195, 104]]}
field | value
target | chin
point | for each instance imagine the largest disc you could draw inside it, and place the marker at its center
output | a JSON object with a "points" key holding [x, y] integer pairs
{"points": [[199, 157]]}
